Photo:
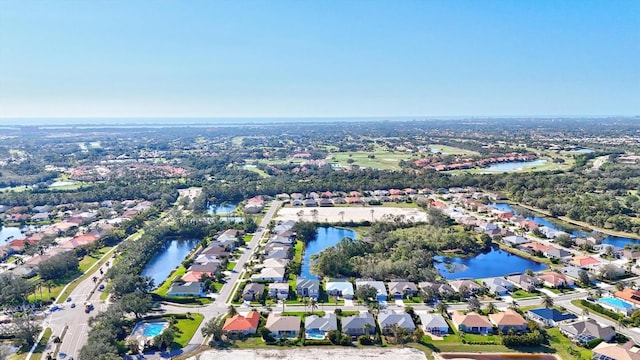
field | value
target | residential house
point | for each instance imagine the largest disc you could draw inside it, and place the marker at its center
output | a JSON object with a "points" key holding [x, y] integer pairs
{"points": [[308, 288], [507, 320], [316, 326], [629, 295], [279, 291], [525, 282], [442, 289], [269, 274], [549, 317], [586, 330], [216, 251], [381, 291], [514, 240], [631, 254], [253, 291], [471, 323], [194, 276], [574, 272], [361, 324], [585, 262], [193, 288], [555, 280], [275, 263], [470, 285], [434, 324], [498, 285], [533, 247], [608, 351], [283, 326], [343, 289], [557, 253], [402, 289], [389, 318], [278, 254], [244, 325]]}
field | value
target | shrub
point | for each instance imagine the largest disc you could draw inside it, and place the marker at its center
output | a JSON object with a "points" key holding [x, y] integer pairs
{"points": [[365, 340]]}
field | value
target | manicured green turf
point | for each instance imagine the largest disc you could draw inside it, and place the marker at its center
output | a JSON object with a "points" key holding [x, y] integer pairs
{"points": [[186, 329]]}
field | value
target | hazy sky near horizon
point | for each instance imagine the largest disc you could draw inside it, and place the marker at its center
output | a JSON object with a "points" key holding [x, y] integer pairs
{"points": [[318, 58]]}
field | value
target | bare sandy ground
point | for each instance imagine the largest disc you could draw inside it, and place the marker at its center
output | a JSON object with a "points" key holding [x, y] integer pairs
{"points": [[350, 213], [316, 353]]}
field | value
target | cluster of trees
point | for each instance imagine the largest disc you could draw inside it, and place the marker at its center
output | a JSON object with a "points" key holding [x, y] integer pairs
{"points": [[390, 252], [58, 266], [536, 336], [13, 297]]}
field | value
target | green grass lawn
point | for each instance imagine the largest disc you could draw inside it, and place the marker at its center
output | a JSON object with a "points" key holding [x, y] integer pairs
{"points": [[231, 265], [561, 344], [186, 329], [384, 160], [450, 150], [164, 287], [521, 294]]}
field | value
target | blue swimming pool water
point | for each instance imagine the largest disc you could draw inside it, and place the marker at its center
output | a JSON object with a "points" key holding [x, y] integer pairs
{"points": [[314, 335], [615, 302], [150, 329]]}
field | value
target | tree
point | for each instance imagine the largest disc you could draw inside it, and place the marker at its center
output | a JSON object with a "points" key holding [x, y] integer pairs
{"points": [[442, 307], [305, 231], [473, 304], [583, 278], [26, 330], [547, 301], [428, 294], [418, 333], [366, 293], [137, 303], [491, 308], [341, 214], [213, 328], [232, 311], [313, 304], [165, 339]]}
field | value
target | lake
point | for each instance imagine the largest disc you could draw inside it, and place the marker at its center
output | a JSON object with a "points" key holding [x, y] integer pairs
{"points": [[493, 263], [617, 241], [8, 233], [167, 259], [514, 165], [325, 237], [221, 209]]}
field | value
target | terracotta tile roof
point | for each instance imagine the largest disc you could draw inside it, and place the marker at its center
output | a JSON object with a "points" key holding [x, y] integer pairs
{"points": [[584, 261], [242, 323], [629, 295], [471, 319], [507, 318]]}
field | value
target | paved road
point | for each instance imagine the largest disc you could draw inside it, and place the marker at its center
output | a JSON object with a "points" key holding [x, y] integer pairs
{"points": [[220, 305]]}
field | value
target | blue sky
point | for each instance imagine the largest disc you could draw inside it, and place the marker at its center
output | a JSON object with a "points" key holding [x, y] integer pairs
{"points": [[318, 58]]}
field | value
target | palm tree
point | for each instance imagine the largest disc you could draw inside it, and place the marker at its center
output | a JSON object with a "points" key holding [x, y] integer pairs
{"points": [[341, 213], [585, 313], [232, 311], [514, 305], [314, 214], [442, 307], [313, 304], [305, 302], [491, 308], [547, 301], [372, 211]]}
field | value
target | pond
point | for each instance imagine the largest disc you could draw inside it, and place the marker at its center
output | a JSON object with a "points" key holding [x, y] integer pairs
{"points": [[617, 241], [221, 209], [167, 258], [325, 237], [515, 165], [8, 233], [493, 263]]}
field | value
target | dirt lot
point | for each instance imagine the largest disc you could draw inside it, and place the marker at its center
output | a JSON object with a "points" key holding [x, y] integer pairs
{"points": [[351, 213], [314, 354]]}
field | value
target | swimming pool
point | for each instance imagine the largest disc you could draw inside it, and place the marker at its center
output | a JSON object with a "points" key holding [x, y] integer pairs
{"points": [[314, 335], [616, 304], [149, 329]]}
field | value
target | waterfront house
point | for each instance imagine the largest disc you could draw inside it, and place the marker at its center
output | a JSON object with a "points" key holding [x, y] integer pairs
{"points": [[471, 323], [194, 288], [470, 285], [279, 291], [514, 240], [389, 318], [556, 253], [316, 327], [381, 291], [525, 282], [507, 320], [441, 289], [253, 291], [607, 351], [586, 330], [434, 324], [308, 287], [549, 317], [361, 324], [283, 326], [269, 274], [555, 280], [498, 285], [239, 324], [340, 288], [401, 289]]}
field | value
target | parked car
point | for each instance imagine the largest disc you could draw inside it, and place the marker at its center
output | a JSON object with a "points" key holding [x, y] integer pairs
{"points": [[73, 305]]}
